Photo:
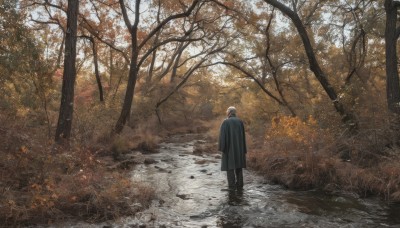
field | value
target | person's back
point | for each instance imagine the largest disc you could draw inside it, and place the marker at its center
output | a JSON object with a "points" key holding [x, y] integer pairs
{"points": [[232, 142]]}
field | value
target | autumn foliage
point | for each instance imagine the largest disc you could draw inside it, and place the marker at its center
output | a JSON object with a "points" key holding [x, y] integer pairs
{"points": [[41, 183], [301, 155], [308, 79]]}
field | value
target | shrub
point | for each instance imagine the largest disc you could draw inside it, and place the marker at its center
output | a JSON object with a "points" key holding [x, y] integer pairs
{"points": [[295, 153], [43, 183]]}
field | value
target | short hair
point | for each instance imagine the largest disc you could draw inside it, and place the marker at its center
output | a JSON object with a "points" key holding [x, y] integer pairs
{"points": [[231, 110]]}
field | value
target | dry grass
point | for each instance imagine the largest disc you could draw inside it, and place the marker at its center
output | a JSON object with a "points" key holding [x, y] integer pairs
{"points": [[300, 155], [41, 183]]}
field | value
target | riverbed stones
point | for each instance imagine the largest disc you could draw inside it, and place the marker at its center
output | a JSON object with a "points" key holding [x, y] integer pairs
{"points": [[183, 196], [148, 161]]}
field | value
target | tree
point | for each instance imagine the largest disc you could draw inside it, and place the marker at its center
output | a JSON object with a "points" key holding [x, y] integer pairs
{"points": [[260, 66], [136, 47], [96, 66], [392, 32], [23, 69], [346, 116], [65, 117]]}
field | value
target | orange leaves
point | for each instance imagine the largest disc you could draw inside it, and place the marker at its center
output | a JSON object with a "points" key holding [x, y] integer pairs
{"points": [[294, 128], [43, 195], [73, 198], [291, 133], [11, 203], [141, 34], [229, 4], [23, 149], [36, 187]]}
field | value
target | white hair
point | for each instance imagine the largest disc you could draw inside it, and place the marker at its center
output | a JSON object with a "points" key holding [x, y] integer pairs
{"points": [[231, 110]]}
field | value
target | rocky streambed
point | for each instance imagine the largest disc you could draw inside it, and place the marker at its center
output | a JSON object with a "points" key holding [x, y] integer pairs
{"points": [[190, 194]]}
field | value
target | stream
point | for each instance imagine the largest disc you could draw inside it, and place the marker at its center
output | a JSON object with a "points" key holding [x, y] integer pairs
{"points": [[190, 193]]}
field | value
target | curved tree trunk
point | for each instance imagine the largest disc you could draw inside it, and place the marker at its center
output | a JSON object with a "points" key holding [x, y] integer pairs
{"points": [[347, 117], [64, 124], [130, 90], [133, 70]]}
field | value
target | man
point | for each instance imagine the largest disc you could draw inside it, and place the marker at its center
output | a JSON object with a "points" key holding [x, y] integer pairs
{"points": [[232, 144]]}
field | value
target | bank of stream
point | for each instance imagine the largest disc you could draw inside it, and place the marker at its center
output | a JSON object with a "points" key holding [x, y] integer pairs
{"points": [[190, 193]]}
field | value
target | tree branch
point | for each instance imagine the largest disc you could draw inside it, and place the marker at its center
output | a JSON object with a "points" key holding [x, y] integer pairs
{"points": [[166, 20], [125, 15], [249, 75], [144, 57], [137, 13]]}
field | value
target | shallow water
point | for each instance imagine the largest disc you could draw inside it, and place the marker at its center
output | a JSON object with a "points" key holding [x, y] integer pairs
{"points": [[190, 194]]}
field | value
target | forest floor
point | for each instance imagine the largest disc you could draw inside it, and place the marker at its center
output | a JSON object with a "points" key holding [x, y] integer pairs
{"points": [[42, 183]]}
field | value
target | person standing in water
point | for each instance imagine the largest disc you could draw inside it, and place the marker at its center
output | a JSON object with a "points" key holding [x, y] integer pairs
{"points": [[232, 144]]}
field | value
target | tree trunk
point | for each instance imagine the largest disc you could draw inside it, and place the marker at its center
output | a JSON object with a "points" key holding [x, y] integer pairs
{"points": [[64, 124], [392, 75], [96, 69], [136, 47], [130, 90], [347, 117]]}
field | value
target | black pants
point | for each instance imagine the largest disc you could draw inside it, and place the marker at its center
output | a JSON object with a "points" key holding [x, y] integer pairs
{"points": [[235, 178]]}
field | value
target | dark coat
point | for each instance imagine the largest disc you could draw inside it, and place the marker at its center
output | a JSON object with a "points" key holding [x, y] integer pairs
{"points": [[232, 142]]}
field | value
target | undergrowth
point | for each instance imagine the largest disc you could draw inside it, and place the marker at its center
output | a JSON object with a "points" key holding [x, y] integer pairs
{"points": [[42, 183], [301, 155]]}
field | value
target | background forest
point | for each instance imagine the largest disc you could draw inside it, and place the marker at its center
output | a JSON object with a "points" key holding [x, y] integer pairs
{"points": [[316, 83]]}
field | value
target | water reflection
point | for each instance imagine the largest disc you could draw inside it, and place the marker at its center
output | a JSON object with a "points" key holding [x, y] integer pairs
{"points": [[235, 198], [232, 213], [393, 216], [319, 203]]}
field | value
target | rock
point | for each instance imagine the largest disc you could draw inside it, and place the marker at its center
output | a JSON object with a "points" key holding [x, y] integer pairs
{"points": [[395, 197], [198, 150], [160, 169], [201, 162], [330, 188], [192, 177], [126, 164], [182, 196], [341, 200], [299, 169], [218, 156], [149, 161]]}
